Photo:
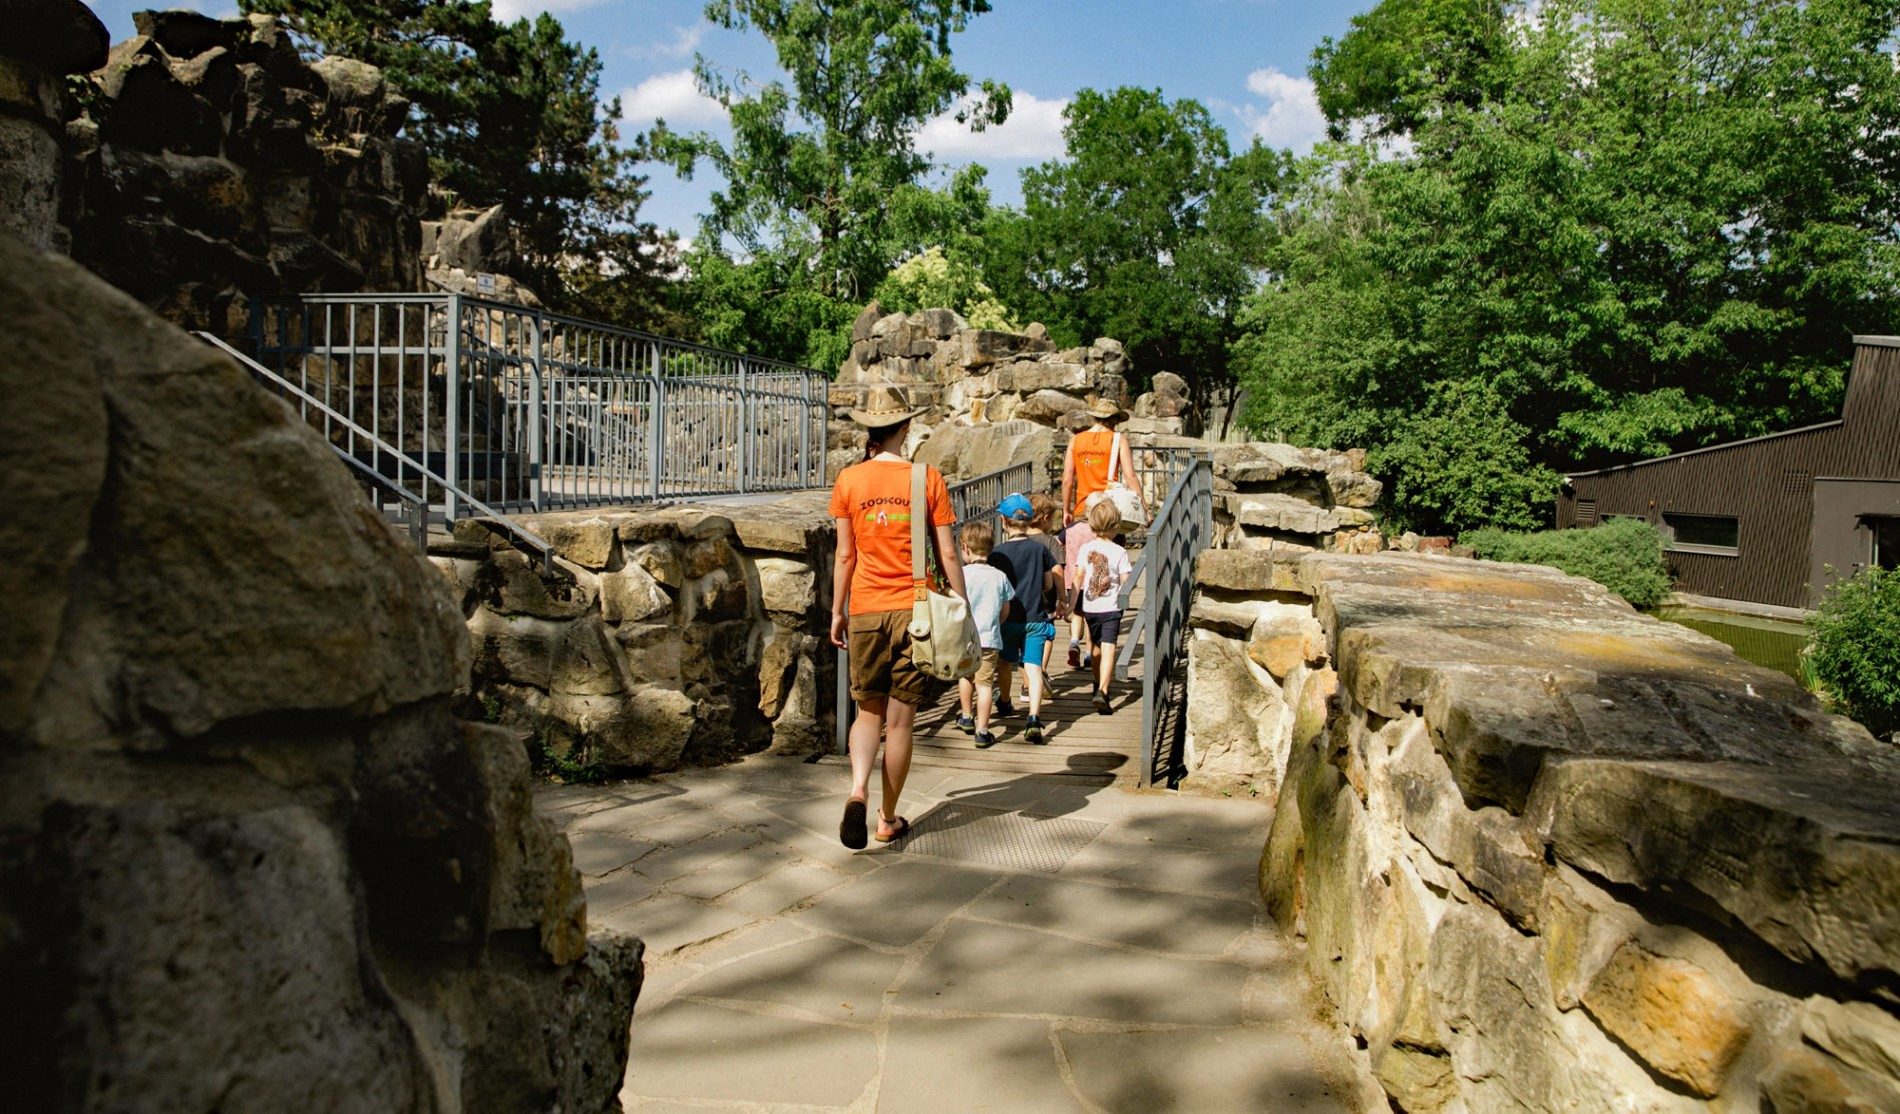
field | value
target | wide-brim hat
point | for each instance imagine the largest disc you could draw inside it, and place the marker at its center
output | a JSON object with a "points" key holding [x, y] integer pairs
{"points": [[1106, 408], [885, 406]]}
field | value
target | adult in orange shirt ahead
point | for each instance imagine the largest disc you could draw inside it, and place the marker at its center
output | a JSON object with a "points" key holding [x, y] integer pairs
{"points": [[1085, 472], [872, 594]]}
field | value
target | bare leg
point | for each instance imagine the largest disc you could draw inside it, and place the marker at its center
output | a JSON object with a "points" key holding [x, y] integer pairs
{"points": [[865, 730], [965, 689], [1034, 673], [1104, 666], [896, 760], [985, 701]]}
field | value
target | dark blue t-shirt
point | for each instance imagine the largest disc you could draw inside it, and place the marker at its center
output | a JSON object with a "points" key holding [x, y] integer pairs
{"points": [[1025, 561]]}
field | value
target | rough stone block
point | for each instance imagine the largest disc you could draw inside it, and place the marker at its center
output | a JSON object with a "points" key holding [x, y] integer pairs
{"points": [[588, 542], [787, 585], [633, 593], [1671, 1013]]}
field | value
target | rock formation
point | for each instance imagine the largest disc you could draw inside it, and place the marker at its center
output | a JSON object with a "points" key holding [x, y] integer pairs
{"points": [[248, 858], [1550, 854], [1270, 496], [44, 41], [212, 165], [669, 637]]}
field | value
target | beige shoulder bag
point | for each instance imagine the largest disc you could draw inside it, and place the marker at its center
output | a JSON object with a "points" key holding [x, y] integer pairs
{"points": [[942, 632]]}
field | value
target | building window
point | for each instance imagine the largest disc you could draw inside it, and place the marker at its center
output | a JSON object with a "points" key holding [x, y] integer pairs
{"points": [[1886, 531], [1701, 533]]}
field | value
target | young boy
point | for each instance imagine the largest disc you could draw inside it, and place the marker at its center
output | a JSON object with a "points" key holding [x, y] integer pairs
{"points": [[988, 592], [1029, 626], [1104, 569], [1047, 529]]}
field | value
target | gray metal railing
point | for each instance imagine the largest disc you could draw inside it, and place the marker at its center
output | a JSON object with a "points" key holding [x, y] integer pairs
{"points": [[411, 506], [533, 411], [1183, 526]]}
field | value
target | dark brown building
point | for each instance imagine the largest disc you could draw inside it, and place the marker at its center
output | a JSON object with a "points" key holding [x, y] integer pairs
{"points": [[1771, 519]]}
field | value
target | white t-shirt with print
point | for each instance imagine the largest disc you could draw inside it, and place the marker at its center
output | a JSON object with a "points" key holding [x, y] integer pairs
{"points": [[1103, 568]]}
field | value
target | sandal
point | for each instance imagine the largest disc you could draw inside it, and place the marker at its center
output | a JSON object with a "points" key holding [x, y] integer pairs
{"points": [[851, 829], [900, 828]]}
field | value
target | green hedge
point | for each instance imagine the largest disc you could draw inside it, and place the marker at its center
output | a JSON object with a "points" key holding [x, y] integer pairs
{"points": [[1856, 652], [1623, 555]]}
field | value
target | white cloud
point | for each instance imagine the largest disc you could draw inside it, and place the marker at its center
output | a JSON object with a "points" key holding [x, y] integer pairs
{"points": [[672, 97], [1291, 115], [511, 10], [685, 40], [1033, 131]]}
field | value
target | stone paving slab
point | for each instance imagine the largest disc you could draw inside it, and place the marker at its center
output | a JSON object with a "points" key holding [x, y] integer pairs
{"points": [[786, 972]]}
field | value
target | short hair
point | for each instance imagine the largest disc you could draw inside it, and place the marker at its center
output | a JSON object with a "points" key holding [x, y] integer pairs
{"points": [[977, 539], [1104, 519], [1048, 509]]}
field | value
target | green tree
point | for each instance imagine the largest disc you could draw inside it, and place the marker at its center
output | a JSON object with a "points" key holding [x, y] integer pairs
{"points": [[816, 161], [1646, 225], [510, 114], [1150, 231], [1405, 59]]}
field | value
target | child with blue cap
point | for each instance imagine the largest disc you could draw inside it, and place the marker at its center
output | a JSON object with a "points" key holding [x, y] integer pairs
{"points": [[1028, 626]]}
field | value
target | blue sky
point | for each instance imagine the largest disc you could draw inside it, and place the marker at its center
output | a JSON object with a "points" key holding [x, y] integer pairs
{"points": [[1245, 59]]}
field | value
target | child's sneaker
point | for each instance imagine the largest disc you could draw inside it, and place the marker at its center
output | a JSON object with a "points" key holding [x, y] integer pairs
{"points": [[985, 740], [1003, 708], [1033, 730], [966, 725], [1075, 654]]}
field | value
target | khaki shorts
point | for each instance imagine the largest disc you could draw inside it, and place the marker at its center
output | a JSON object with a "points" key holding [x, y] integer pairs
{"points": [[879, 650], [986, 667]]}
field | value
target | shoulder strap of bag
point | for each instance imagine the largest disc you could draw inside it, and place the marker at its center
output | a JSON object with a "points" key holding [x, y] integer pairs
{"points": [[1114, 456], [919, 510]]}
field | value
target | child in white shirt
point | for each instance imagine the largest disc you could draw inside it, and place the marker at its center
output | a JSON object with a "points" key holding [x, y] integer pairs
{"points": [[1103, 567], [989, 591]]}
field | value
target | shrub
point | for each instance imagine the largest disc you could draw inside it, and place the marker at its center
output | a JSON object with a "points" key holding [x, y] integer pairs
{"points": [[1856, 653], [1623, 555]]}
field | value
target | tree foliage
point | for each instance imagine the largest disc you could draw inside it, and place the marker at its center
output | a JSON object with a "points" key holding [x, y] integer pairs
{"points": [[813, 163], [1623, 555], [1149, 231], [510, 114], [1855, 655], [1633, 227]]}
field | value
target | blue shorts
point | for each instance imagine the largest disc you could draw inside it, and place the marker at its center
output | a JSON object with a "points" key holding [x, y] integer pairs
{"points": [[1024, 641]]}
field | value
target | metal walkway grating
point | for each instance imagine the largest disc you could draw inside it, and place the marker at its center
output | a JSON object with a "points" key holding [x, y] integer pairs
{"points": [[996, 837]]}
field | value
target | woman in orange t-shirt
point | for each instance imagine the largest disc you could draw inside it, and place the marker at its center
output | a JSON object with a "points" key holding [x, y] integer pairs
{"points": [[1085, 472], [872, 595]]}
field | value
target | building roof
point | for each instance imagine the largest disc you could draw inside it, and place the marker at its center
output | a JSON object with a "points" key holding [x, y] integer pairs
{"points": [[1724, 445]]}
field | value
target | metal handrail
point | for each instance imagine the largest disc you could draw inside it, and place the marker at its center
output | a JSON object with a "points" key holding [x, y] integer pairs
{"points": [[415, 515], [540, 411], [522, 534], [1182, 528]]}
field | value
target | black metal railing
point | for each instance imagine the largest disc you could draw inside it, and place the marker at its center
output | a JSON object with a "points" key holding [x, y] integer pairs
{"points": [[1182, 528]]}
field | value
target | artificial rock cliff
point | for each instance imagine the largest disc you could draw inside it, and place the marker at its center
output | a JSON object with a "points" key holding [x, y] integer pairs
{"points": [[1551, 854], [248, 858]]}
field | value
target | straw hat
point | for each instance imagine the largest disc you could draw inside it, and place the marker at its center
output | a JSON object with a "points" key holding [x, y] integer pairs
{"points": [[1106, 408], [883, 407]]}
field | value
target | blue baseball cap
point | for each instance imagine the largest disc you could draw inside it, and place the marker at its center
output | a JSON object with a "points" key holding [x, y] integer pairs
{"points": [[1017, 508]]}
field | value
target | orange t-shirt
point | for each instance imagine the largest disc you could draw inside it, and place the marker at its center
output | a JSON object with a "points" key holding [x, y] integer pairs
{"points": [[875, 497], [1090, 451]]}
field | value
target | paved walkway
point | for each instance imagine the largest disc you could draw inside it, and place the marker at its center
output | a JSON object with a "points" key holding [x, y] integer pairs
{"points": [[1038, 944]]}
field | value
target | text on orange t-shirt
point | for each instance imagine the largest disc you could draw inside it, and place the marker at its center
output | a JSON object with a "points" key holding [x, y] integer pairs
{"points": [[1091, 465], [875, 497]]}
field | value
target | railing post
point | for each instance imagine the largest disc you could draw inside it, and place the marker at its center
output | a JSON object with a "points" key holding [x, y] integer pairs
{"points": [[656, 426], [537, 449], [745, 428], [452, 425]]}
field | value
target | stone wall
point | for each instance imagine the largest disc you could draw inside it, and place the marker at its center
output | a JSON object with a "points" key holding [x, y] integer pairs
{"points": [[1272, 497], [1550, 854], [248, 856], [667, 637], [212, 164]]}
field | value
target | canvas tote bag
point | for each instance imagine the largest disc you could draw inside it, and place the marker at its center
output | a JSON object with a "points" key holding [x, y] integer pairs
{"points": [[1126, 503], [942, 632]]}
